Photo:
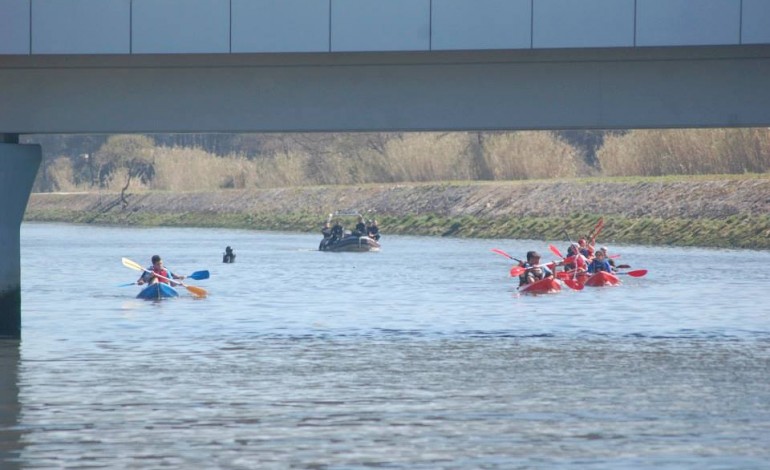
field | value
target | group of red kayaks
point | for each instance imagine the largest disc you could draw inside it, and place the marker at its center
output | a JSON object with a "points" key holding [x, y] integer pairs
{"points": [[575, 279]]}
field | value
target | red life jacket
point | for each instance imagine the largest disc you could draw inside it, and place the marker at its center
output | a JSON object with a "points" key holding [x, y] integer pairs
{"points": [[162, 272]]}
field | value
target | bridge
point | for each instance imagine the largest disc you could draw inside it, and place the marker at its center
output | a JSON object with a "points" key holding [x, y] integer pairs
{"points": [[157, 66]]}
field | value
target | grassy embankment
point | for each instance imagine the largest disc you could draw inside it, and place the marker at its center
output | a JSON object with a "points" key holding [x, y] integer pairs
{"points": [[715, 211]]}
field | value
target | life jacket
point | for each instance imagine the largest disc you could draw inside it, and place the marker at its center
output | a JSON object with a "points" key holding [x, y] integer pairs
{"points": [[162, 272], [531, 275]]}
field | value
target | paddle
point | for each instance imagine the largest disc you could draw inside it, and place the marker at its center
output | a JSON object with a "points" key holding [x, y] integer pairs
{"points": [[595, 232], [501, 252], [571, 283], [196, 291], [197, 275], [635, 273]]}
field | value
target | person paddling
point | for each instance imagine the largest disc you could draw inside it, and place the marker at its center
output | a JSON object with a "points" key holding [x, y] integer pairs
{"points": [[534, 271], [150, 277], [600, 263]]}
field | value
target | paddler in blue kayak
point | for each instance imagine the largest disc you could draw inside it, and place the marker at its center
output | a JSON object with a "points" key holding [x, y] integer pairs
{"points": [[535, 271], [149, 276]]}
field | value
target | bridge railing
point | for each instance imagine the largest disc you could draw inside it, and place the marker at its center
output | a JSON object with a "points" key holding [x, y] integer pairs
{"points": [[323, 26]]}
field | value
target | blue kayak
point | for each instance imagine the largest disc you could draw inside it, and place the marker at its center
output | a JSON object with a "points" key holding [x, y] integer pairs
{"points": [[157, 291]]}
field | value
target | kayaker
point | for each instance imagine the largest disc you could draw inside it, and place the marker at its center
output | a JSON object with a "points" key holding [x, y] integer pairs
{"points": [[373, 231], [585, 249], [600, 263], [609, 260], [575, 259], [157, 268], [535, 271]]}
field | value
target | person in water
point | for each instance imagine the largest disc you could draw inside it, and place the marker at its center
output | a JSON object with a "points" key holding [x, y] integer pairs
{"points": [[154, 273], [373, 231], [229, 256], [599, 263], [535, 271]]}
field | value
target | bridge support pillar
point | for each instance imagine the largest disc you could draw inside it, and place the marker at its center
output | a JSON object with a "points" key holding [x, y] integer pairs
{"points": [[18, 168]]}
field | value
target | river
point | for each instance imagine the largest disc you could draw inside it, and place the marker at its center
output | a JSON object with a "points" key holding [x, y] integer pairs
{"points": [[422, 355]]}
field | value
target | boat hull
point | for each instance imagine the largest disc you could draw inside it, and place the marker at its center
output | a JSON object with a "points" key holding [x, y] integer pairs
{"points": [[351, 244], [157, 291], [602, 279], [548, 285]]}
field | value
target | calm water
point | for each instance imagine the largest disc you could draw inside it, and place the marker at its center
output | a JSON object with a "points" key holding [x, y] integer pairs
{"points": [[419, 356]]}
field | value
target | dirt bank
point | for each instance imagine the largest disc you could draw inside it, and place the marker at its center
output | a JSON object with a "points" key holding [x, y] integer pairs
{"points": [[728, 212]]}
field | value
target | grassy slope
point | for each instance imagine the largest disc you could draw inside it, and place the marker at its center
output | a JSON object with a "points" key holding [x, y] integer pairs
{"points": [[719, 211]]}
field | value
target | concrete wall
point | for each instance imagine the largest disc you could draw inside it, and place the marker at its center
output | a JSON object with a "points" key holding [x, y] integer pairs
{"points": [[290, 26]]}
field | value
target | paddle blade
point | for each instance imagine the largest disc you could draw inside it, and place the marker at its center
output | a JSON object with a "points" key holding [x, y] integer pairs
{"points": [[637, 273], [132, 264], [517, 271], [501, 252], [555, 251], [573, 284], [199, 275], [196, 291]]}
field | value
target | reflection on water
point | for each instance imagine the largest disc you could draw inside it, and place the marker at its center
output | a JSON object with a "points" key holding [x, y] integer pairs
{"points": [[419, 356]]}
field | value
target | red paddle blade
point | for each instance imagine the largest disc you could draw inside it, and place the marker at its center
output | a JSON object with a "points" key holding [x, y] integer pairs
{"points": [[555, 251], [501, 252], [517, 271], [637, 273], [573, 284]]}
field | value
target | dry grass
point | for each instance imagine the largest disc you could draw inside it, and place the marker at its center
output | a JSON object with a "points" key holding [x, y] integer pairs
{"points": [[345, 159], [686, 152]]}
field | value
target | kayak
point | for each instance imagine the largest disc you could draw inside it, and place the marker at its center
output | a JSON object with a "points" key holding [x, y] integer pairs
{"points": [[548, 285], [579, 278], [157, 291], [601, 279]]}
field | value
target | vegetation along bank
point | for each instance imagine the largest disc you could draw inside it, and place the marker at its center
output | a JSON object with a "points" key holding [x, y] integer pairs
{"points": [[715, 211]]}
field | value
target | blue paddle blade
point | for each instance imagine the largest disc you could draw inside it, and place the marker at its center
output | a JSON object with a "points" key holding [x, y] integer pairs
{"points": [[199, 275]]}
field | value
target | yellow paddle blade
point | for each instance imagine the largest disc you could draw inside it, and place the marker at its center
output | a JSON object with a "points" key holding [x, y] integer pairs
{"points": [[132, 264], [196, 291]]}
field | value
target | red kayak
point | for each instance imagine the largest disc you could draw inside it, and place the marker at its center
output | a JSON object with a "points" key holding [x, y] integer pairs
{"points": [[548, 285], [601, 279], [579, 278]]}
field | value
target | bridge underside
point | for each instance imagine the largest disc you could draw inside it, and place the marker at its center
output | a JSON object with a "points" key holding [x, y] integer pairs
{"points": [[724, 86]]}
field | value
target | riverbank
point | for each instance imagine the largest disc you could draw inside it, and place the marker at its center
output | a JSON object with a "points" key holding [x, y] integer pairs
{"points": [[729, 211]]}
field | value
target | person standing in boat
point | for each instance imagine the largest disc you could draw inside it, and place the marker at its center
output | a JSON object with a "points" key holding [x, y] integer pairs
{"points": [[153, 273], [535, 271], [373, 231], [599, 263]]}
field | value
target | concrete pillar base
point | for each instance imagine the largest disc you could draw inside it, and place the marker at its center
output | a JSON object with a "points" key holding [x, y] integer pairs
{"points": [[18, 168]]}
